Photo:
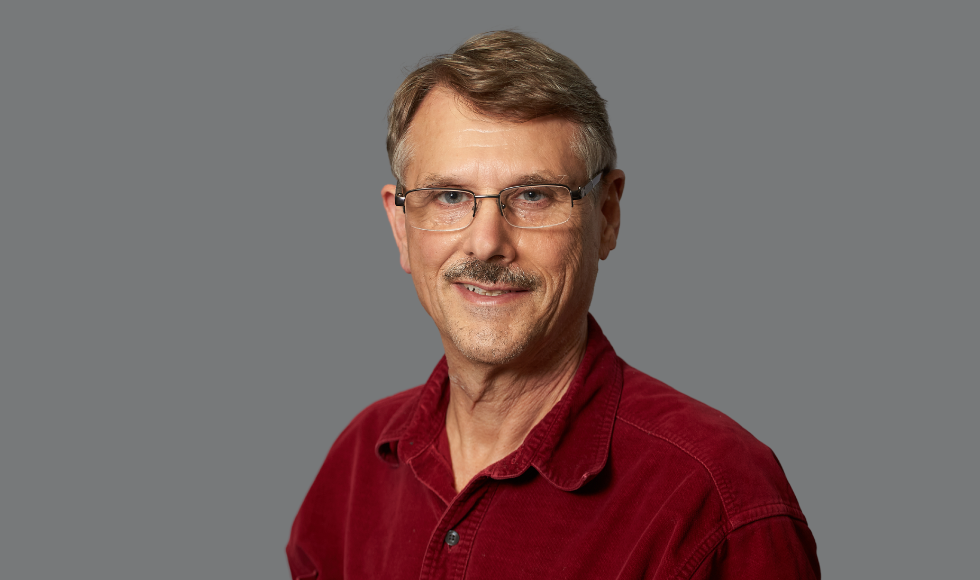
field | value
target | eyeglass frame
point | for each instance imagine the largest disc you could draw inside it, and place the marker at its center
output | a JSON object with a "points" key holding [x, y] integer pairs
{"points": [[577, 195]]}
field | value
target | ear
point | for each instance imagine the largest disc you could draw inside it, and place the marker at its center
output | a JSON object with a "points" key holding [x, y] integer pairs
{"points": [[396, 217], [612, 192]]}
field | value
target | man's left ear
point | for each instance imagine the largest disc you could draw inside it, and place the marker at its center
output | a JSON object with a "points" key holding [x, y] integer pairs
{"points": [[612, 192]]}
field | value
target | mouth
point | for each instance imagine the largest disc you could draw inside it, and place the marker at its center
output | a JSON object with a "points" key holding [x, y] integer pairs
{"points": [[482, 292]]}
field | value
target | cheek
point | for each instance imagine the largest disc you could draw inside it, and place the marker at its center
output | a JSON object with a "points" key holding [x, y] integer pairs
{"points": [[580, 257], [428, 254], [562, 260], [428, 250]]}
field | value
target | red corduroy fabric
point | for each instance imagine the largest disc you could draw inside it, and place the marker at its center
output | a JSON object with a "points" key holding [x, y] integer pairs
{"points": [[624, 478]]}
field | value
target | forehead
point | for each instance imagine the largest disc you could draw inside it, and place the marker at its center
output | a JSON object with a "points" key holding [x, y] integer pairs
{"points": [[449, 138]]}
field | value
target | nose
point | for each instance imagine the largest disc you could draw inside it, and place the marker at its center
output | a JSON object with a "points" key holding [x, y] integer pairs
{"points": [[490, 238]]}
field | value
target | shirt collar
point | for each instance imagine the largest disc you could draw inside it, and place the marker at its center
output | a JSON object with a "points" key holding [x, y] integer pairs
{"points": [[569, 446]]}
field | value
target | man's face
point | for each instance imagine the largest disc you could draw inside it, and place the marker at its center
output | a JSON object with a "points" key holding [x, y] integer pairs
{"points": [[497, 293]]}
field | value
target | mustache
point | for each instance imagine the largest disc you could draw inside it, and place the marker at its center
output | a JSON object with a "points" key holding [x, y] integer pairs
{"points": [[490, 273]]}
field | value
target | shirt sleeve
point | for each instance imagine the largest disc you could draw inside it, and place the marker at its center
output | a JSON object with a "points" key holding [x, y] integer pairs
{"points": [[778, 547]]}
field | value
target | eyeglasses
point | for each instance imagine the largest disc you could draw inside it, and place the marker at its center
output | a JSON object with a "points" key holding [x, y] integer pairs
{"points": [[440, 209]]}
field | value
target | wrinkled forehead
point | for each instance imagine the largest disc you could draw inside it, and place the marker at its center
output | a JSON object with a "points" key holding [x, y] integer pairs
{"points": [[448, 137]]}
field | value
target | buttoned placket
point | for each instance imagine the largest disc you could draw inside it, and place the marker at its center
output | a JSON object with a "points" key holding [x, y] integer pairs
{"points": [[455, 535]]}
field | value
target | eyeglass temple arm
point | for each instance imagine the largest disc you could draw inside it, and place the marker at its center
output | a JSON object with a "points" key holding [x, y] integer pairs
{"points": [[587, 188]]}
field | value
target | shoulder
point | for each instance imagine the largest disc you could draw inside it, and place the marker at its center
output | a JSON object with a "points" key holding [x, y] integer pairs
{"points": [[317, 536], [355, 453], [744, 473]]}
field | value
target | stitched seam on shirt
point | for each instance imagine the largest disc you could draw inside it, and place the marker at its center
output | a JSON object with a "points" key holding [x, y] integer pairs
{"points": [[610, 414], [429, 553], [548, 433], [413, 417], [714, 480], [768, 510], [441, 457], [601, 447], [610, 417], [411, 464], [421, 444], [696, 559], [694, 562], [476, 530]]}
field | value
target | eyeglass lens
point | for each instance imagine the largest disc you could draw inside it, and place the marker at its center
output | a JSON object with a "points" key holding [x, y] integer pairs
{"points": [[523, 207]]}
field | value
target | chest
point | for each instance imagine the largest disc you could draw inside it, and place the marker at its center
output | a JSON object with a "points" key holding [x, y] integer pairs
{"points": [[516, 528]]}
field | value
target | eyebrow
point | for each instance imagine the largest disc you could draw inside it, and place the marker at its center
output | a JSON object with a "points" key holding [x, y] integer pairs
{"points": [[453, 181], [440, 180], [539, 178]]}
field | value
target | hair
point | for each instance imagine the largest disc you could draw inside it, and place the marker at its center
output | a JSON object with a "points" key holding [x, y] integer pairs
{"points": [[508, 76]]}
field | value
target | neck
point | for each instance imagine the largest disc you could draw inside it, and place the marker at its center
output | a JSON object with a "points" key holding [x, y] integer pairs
{"points": [[493, 408]]}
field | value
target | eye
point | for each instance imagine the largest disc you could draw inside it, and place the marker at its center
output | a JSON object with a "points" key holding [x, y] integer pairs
{"points": [[450, 197], [531, 195]]}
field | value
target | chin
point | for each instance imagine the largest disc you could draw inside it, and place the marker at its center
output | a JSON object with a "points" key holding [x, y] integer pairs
{"points": [[490, 345]]}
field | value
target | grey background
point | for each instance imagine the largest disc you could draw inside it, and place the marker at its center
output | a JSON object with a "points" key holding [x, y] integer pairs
{"points": [[198, 287]]}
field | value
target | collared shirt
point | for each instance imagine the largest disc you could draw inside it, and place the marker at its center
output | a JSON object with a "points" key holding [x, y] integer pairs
{"points": [[624, 478]]}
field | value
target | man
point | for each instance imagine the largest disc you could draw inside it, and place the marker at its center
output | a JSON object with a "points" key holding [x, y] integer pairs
{"points": [[532, 451]]}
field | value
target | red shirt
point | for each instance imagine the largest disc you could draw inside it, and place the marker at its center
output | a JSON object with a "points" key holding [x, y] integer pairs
{"points": [[624, 478]]}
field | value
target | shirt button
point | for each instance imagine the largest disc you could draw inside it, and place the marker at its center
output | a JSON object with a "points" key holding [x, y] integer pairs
{"points": [[452, 538]]}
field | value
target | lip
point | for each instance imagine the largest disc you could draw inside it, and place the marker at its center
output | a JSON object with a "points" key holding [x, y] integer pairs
{"points": [[509, 293]]}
